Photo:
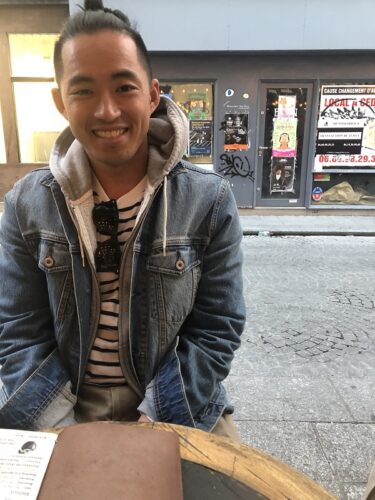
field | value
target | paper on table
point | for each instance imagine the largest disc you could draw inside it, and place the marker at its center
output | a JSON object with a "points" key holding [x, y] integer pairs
{"points": [[24, 457]]}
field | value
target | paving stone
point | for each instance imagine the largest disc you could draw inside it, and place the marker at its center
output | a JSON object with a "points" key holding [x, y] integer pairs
{"points": [[359, 396], [293, 399], [294, 444], [354, 491], [350, 448]]}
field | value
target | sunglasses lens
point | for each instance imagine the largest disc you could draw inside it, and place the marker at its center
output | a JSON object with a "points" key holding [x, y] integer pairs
{"points": [[107, 253], [105, 217], [108, 256]]}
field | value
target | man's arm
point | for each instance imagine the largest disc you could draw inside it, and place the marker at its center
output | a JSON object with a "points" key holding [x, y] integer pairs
{"points": [[186, 389], [32, 377]]}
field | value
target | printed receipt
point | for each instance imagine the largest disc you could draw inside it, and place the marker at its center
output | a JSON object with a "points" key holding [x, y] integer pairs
{"points": [[24, 457]]}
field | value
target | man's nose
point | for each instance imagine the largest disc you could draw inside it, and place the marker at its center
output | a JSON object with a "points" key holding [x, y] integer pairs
{"points": [[107, 108]]}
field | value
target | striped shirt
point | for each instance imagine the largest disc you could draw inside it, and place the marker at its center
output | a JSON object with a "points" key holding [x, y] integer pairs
{"points": [[103, 365]]}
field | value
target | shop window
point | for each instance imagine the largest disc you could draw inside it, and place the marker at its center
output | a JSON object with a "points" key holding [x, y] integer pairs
{"points": [[196, 101], [343, 189], [3, 158], [344, 166], [38, 121]]}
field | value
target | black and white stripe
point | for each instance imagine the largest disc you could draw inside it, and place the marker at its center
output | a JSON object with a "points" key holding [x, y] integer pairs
{"points": [[103, 365]]}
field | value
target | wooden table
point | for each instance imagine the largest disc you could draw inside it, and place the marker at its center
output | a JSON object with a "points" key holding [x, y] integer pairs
{"points": [[228, 470]]}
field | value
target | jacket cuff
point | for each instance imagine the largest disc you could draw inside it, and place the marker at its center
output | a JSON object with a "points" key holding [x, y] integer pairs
{"points": [[170, 399], [147, 406], [24, 408]]}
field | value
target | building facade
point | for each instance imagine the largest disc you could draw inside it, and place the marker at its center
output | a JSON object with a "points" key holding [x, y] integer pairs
{"points": [[280, 97]]}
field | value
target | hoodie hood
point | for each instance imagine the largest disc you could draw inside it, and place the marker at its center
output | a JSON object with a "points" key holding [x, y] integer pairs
{"points": [[167, 137]]}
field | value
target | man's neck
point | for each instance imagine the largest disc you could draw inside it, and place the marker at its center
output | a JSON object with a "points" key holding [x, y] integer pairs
{"points": [[117, 183]]}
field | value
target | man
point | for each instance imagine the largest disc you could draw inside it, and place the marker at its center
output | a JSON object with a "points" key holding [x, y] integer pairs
{"points": [[120, 293]]}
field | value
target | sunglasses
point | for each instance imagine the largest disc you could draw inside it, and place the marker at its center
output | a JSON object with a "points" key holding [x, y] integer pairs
{"points": [[108, 253]]}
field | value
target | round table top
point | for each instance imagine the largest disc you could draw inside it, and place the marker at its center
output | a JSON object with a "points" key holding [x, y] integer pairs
{"points": [[257, 470]]}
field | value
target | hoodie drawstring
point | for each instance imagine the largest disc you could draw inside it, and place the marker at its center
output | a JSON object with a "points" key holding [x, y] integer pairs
{"points": [[165, 217], [81, 250], [80, 222]]}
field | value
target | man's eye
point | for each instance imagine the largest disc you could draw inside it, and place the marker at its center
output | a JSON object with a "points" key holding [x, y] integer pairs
{"points": [[125, 88], [81, 92]]}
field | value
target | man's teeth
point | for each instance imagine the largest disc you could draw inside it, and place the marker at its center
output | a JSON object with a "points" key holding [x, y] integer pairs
{"points": [[108, 134]]}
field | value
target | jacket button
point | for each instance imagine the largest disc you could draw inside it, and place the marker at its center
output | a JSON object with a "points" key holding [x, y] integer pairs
{"points": [[49, 262], [180, 265]]}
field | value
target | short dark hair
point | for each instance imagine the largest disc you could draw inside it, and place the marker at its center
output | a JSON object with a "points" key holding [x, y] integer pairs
{"points": [[94, 17]]}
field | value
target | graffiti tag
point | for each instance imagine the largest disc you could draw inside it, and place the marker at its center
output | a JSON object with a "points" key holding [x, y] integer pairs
{"points": [[236, 166]]}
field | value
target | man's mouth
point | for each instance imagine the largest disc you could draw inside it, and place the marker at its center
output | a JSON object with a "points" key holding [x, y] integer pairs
{"points": [[110, 134]]}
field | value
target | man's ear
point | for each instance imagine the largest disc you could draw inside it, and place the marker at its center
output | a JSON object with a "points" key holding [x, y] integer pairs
{"points": [[57, 99], [154, 94]]}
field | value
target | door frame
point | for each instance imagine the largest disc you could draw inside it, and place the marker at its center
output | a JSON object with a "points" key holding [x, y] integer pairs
{"points": [[261, 117]]}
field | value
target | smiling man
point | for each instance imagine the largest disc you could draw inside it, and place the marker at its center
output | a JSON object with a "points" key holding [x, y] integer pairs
{"points": [[107, 96], [121, 288]]}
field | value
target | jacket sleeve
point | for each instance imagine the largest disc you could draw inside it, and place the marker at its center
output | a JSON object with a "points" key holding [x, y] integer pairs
{"points": [[32, 377], [187, 387]]}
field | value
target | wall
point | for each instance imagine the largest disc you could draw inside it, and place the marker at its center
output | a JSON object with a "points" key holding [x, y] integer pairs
{"points": [[251, 24]]}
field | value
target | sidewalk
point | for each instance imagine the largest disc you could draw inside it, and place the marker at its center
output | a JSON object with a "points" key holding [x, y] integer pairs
{"points": [[303, 381], [335, 225]]}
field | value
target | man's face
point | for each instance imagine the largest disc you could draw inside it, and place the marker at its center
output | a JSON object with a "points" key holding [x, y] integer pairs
{"points": [[284, 139], [107, 98]]}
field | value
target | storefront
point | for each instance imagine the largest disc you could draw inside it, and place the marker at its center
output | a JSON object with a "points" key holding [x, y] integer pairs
{"points": [[288, 128]]}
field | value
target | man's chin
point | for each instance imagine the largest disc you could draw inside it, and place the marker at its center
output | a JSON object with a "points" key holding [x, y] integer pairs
{"points": [[110, 164]]}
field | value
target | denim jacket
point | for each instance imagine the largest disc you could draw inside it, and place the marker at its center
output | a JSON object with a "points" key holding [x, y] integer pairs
{"points": [[182, 315]]}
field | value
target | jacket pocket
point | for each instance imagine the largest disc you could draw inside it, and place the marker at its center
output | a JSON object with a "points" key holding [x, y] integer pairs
{"points": [[55, 260], [173, 282], [54, 257]]}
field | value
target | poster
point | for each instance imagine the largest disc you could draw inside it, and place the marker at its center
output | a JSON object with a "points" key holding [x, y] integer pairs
{"points": [[24, 456], [236, 132], [286, 107], [284, 137], [196, 106], [200, 138], [346, 128], [282, 175]]}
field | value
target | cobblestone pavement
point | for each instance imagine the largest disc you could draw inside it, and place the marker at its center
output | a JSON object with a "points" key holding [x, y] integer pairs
{"points": [[303, 381]]}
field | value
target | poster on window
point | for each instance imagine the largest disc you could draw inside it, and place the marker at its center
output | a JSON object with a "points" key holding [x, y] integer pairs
{"points": [[200, 138], [284, 137], [196, 106], [282, 175], [286, 107], [346, 128], [236, 132]]}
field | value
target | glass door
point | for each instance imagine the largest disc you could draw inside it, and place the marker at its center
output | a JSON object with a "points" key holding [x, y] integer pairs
{"points": [[284, 123]]}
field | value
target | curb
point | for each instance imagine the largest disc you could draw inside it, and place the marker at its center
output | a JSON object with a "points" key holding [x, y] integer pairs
{"points": [[269, 233]]}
